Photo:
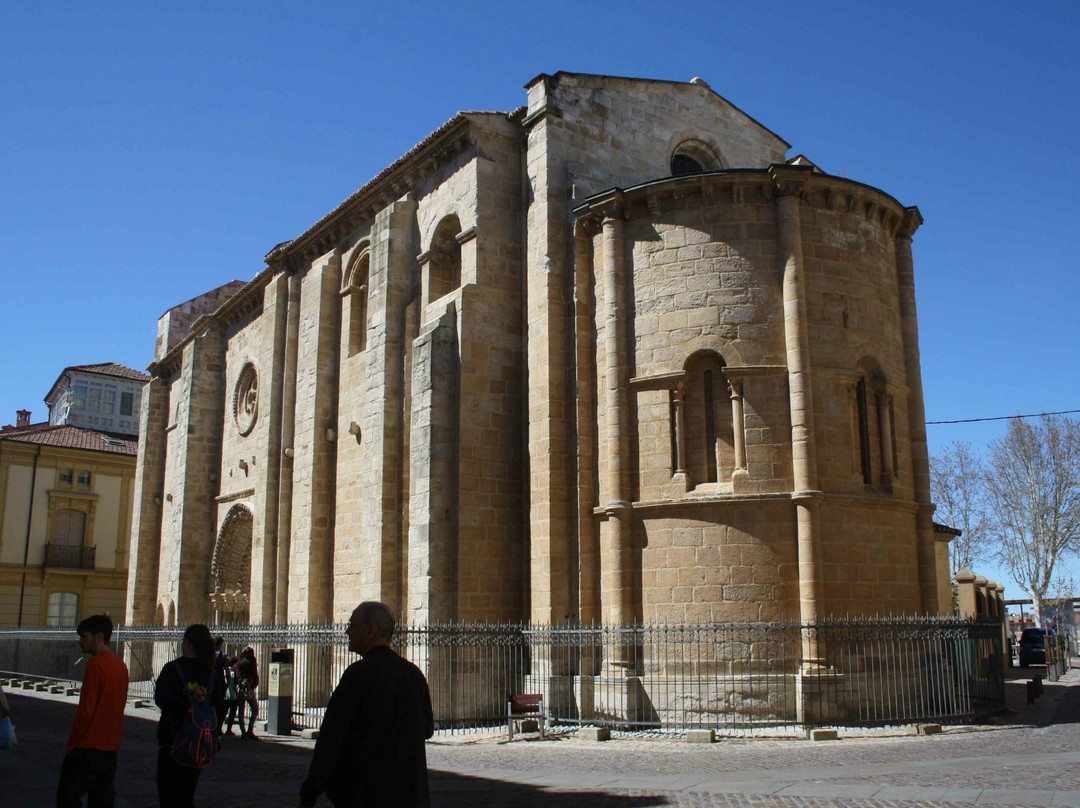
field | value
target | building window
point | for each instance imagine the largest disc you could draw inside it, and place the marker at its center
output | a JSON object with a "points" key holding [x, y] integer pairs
{"points": [[710, 439], [694, 157], [864, 432], [80, 396], [65, 477], [356, 287], [70, 528], [108, 401], [445, 258], [83, 479], [93, 399], [127, 403], [63, 609]]}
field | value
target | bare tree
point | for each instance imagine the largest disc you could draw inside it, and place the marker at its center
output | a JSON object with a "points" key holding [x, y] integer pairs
{"points": [[957, 480], [1033, 491]]}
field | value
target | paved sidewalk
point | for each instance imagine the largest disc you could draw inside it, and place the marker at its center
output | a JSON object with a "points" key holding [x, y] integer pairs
{"points": [[1030, 761]]}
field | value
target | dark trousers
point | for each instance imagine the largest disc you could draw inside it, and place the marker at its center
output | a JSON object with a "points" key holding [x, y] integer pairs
{"points": [[253, 704], [231, 706], [175, 783], [90, 772]]}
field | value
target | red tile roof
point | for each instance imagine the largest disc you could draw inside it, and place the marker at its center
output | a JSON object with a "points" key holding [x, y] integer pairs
{"points": [[72, 437], [102, 369], [112, 369]]}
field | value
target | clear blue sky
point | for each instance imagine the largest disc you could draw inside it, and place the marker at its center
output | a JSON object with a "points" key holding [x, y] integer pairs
{"points": [[149, 152]]}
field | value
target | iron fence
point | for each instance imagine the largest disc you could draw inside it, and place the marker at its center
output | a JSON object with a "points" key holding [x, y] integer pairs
{"points": [[734, 679]]}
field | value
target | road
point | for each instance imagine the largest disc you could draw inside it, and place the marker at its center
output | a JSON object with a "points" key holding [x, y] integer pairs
{"points": [[1032, 760]]}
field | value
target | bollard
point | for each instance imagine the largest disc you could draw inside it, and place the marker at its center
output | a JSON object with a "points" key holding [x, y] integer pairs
{"points": [[280, 692]]}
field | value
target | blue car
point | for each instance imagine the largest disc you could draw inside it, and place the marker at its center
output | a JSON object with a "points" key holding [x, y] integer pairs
{"points": [[1033, 646]]}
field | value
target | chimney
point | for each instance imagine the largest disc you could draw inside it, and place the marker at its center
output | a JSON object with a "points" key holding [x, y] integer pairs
{"points": [[22, 418]]}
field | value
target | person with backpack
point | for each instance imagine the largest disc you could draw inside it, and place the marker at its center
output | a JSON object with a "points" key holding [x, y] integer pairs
{"points": [[247, 675], [190, 691]]}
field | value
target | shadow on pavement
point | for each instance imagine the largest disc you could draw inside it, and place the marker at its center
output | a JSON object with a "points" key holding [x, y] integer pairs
{"points": [[1058, 704], [450, 790], [262, 773]]}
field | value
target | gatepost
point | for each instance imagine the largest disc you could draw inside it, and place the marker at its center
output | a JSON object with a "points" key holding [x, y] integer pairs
{"points": [[280, 692]]}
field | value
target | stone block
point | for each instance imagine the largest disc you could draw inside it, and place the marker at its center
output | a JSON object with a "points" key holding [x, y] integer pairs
{"points": [[700, 736], [40, 687], [594, 734], [71, 691], [56, 689], [824, 735], [309, 734], [928, 729]]}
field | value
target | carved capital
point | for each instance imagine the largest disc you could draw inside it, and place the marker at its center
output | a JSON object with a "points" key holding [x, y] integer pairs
{"points": [[912, 220], [790, 180]]}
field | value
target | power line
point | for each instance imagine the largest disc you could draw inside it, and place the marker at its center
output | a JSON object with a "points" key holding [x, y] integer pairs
{"points": [[1002, 417]]}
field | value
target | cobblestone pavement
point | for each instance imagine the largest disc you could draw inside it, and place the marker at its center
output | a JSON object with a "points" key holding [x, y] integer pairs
{"points": [[1032, 760]]}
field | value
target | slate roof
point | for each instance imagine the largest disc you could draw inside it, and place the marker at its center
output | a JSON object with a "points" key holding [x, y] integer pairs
{"points": [[72, 437]]}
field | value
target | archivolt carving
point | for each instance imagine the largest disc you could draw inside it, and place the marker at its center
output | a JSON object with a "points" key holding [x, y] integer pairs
{"points": [[230, 569]]}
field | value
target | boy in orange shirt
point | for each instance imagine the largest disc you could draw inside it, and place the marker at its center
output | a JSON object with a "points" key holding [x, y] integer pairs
{"points": [[90, 763]]}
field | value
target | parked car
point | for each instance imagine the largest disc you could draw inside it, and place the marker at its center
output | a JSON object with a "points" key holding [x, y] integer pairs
{"points": [[1033, 646]]}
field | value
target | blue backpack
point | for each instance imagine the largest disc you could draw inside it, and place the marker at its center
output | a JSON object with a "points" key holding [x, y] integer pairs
{"points": [[194, 744]]}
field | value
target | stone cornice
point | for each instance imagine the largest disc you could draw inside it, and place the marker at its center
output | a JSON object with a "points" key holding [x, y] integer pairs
{"points": [[749, 186], [912, 221], [395, 181]]}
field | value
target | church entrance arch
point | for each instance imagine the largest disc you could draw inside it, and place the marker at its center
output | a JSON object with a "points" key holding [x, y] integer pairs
{"points": [[230, 570]]}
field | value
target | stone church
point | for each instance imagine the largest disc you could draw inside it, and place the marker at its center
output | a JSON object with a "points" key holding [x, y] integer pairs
{"points": [[611, 356]]}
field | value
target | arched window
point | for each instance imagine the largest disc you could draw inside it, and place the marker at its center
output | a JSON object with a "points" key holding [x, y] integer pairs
{"points": [[873, 419], [710, 452], [355, 289], [694, 157], [444, 259], [63, 609]]}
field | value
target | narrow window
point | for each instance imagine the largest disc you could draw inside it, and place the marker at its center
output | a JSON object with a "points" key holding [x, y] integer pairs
{"points": [[357, 291], [710, 428], [127, 403], [84, 478], [66, 477], [445, 259], [864, 433]]}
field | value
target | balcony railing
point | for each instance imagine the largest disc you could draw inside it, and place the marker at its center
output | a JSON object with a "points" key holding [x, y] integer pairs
{"points": [[68, 555]]}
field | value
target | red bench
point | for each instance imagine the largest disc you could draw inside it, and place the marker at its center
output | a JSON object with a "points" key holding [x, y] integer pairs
{"points": [[525, 706]]}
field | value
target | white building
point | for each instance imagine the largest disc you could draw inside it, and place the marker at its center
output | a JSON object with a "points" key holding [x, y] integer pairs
{"points": [[104, 397]]}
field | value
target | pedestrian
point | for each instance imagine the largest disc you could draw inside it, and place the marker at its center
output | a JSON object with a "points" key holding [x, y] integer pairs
{"points": [[232, 697], [247, 686], [184, 685], [370, 750], [89, 765]]}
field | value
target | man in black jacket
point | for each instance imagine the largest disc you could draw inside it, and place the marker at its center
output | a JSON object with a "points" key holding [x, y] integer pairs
{"points": [[370, 750]]}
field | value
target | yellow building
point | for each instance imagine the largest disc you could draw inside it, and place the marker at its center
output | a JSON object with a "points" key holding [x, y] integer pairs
{"points": [[65, 518]]}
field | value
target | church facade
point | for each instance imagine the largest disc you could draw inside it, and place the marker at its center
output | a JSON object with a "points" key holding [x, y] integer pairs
{"points": [[611, 356]]}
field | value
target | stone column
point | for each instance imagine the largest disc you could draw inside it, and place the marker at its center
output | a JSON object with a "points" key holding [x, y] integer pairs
{"points": [[738, 425], [285, 459], [433, 500], [920, 459], [382, 545], [311, 550], [680, 432], [885, 428], [789, 182], [615, 554], [203, 374], [149, 489]]}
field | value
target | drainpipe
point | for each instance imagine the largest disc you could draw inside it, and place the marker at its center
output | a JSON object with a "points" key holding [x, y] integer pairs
{"points": [[29, 522]]}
